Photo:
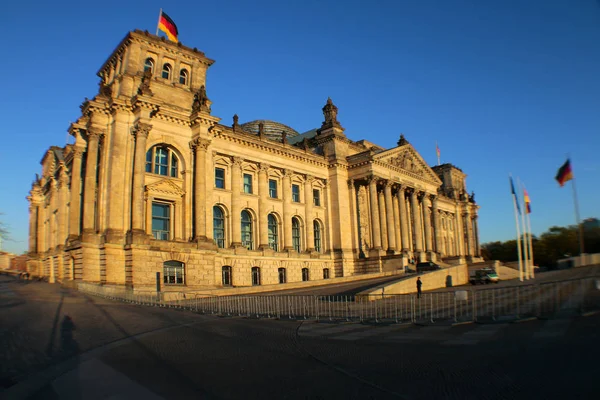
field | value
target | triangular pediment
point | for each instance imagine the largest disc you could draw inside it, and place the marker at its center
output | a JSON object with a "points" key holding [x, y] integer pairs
{"points": [[165, 186], [409, 161]]}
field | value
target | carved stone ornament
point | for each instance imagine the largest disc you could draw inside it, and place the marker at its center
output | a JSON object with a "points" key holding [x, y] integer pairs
{"points": [[406, 162], [351, 183], [330, 113], [402, 141], [363, 217], [237, 161], [236, 125], [261, 130], [142, 129], [200, 144], [105, 90], [263, 167], [284, 137], [144, 88], [94, 133], [201, 102]]}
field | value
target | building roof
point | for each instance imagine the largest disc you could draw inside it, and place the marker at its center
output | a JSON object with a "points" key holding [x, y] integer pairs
{"points": [[271, 129]]}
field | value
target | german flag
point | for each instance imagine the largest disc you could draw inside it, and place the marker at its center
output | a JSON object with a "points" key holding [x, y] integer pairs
{"points": [[565, 173], [167, 25], [527, 201]]}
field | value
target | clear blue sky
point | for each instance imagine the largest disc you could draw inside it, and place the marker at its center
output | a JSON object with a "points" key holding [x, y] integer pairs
{"points": [[503, 86]]}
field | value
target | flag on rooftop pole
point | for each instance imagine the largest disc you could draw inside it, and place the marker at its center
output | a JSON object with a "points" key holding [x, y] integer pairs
{"points": [[166, 24], [517, 209], [437, 151], [565, 173]]}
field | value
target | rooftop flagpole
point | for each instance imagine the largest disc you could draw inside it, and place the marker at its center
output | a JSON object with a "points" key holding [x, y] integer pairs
{"points": [[158, 22], [578, 219], [525, 246]]}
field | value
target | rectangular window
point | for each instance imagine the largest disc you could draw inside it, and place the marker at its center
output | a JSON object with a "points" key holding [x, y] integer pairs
{"points": [[220, 178], [296, 193], [161, 221], [317, 197], [282, 275], [272, 188], [173, 273], [247, 183]]}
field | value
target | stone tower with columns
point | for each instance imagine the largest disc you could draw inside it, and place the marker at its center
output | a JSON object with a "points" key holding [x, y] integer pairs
{"points": [[154, 183]]}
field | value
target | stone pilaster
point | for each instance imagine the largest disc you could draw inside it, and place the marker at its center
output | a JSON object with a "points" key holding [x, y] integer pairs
{"points": [[263, 215], [200, 147], [33, 215], [476, 235], [308, 209], [397, 230], [375, 227], [63, 217], [353, 214], [236, 206], [427, 228], [469, 232], [141, 131], [382, 220], [75, 201], [91, 168], [287, 210], [389, 211]]}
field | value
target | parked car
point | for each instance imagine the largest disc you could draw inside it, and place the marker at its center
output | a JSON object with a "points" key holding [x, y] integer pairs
{"points": [[484, 276], [427, 266]]}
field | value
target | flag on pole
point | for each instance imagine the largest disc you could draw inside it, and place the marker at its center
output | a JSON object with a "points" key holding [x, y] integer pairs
{"points": [[527, 201], [437, 150], [167, 25], [565, 173], [514, 193]]}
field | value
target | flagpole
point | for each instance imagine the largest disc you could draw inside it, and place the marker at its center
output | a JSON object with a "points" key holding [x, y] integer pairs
{"points": [[579, 226], [525, 249], [437, 152], [158, 22], [513, 194], [532, 272]]}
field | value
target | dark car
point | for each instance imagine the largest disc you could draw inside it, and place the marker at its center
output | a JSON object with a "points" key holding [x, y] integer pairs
{"points": [[427, 266]]}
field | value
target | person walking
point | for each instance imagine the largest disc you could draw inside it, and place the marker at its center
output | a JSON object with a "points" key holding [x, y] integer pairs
{"points": [[419, 284]]}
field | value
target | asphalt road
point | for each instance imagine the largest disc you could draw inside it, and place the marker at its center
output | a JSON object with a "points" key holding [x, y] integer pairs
{"points": [[59, 344]]}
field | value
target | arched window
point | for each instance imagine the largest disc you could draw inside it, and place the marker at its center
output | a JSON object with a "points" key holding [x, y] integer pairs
{"points": [[219, 227], [325, 273], [183, 77], [305, 275], [247, 230], [255, 276], [162, 160], [296, 234], [273, 236], [166, 71], [226, 275], [173, 273], [282, 275], [317, 235], [149, 65]]}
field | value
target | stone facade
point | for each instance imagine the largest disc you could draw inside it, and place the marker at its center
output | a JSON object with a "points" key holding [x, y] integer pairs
{"points": [[154, 183]]}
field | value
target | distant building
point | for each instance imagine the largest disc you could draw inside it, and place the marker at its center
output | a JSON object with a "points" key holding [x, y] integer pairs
{"points": [[156, 184], [5, 258]]}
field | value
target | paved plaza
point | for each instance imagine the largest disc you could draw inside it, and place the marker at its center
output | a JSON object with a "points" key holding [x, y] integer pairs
{"points": [[61, 344]]}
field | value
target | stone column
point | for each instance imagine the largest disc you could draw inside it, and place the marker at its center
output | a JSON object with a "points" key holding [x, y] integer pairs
{"points": [[427, 223], [476, 235], [354, 224], [398, 235], [51, 215], [75, 202], [33, 212], [404, 229], [63, 194], [200, 147], [459, 233], [287, 209], [236, 206], [416, 215], [389, 211], [141, 130], [436, 226], [263, 215], [308, 204], [91, 166], [375, 227], [469, 227], [41, 242], [382, 220]]}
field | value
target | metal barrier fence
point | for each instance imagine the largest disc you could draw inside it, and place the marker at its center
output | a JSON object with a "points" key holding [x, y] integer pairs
{"points": [[542, 300]]}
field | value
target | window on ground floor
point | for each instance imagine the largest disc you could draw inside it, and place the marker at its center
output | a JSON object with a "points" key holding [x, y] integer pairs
{"points": [[255, 276], [173, 273], [226, 275], [325, 273], [305, 276], [282, 275], [161, 221]]}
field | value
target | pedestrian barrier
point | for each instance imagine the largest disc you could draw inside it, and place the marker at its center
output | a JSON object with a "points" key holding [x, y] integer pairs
{"points": [[542, 300]]}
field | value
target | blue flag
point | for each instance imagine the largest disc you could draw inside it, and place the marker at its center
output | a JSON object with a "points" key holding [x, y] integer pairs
{"points": [[514, 193]]}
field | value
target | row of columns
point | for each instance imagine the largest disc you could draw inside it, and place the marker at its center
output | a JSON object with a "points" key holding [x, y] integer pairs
{"points": [[392, 228]]}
